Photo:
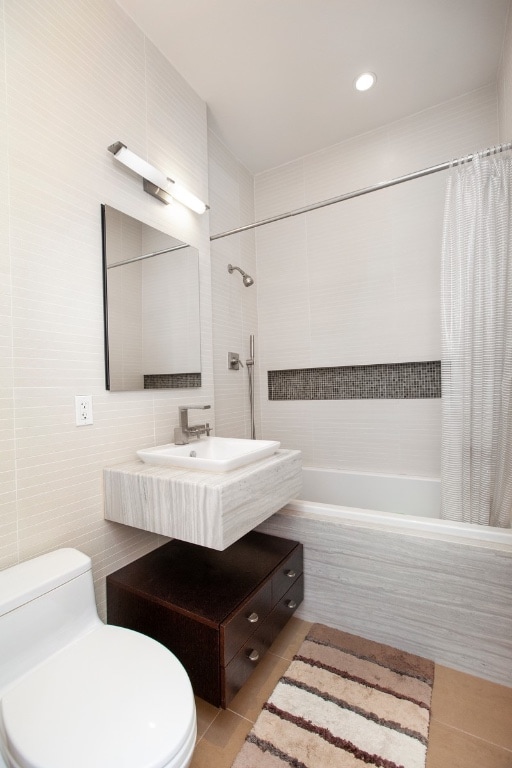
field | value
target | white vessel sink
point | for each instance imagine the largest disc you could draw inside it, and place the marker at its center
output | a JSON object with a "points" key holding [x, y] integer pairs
{"points": [[210, 454]]}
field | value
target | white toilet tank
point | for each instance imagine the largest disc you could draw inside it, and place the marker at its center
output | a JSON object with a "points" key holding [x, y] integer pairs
{"points": [[45, 604], [136, 711]]}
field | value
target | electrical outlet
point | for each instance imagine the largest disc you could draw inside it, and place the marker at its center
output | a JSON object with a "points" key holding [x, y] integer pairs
{"points": [[83, 410]]}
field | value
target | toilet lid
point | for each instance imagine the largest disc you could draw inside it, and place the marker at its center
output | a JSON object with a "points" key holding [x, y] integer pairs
{"points": [[113, 698]]}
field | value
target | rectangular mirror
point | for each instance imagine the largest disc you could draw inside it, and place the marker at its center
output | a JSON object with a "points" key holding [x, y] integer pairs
{"points": [[151, 306]]}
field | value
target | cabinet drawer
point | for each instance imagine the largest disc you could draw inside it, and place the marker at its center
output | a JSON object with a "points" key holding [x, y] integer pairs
{"points": [[234, 675], [287, 574], [287, 606], [247, 619]]}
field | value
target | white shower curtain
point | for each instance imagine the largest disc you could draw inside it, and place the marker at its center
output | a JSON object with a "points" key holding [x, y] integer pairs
{"points": [[476, 307]]}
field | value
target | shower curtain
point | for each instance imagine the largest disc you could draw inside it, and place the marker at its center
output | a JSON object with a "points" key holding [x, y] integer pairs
{"points": [[476, 307]]}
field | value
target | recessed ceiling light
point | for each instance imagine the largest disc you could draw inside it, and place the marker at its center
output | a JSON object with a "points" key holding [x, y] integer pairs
{"points": [[365, 81]]}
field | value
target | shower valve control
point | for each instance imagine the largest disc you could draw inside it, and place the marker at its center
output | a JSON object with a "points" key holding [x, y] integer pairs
{"points": [[234, 361]]}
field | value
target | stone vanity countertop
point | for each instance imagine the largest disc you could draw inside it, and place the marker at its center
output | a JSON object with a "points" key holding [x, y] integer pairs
{"points": [[208, 508]]}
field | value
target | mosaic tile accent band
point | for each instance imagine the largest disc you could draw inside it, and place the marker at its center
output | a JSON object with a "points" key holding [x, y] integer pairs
{"points": [[397, 381], [171, 380]]}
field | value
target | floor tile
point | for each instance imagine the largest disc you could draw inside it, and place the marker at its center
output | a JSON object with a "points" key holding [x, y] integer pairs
{"points": [[451, 748], [473, 705], [290, 638], [205, 714], [250, 699], [221, 742]]}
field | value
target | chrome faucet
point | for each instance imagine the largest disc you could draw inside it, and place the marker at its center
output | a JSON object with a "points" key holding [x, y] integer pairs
{"points": [[184, 432]]}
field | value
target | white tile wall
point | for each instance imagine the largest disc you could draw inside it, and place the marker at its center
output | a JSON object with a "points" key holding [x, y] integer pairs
{"points": [[8, 521], [234, 305], [358, 283], [77, 77], [284, 313]]}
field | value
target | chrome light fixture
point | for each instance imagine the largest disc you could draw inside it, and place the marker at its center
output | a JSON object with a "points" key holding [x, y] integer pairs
{"points": [[155, 182]]}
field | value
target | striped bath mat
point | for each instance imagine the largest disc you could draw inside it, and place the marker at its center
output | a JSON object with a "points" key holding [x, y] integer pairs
{"points": [[344, 702]]}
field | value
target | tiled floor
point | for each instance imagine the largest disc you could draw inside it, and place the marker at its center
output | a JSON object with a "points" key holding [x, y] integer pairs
{"points": [[471, 720]]}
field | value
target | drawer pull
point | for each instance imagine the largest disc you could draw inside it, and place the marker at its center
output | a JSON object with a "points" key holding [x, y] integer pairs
{"points": [[253, 655], [291, 573], [253, 618], [291, 604]]}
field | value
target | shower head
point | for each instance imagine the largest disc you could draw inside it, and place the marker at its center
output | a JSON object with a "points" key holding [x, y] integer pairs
{"points": [[247, 279]]}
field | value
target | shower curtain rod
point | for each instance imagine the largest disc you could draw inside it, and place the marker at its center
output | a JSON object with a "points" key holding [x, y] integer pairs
{"points": [[366, 190]]}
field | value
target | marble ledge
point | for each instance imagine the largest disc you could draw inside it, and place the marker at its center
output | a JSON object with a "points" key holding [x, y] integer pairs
{"points": [[206, 508]]}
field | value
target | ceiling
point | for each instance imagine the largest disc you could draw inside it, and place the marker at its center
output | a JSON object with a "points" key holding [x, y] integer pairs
{"points": [[277, 75]]}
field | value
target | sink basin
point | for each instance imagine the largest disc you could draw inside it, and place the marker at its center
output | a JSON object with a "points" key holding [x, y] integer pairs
{"points": [[210, 454]]}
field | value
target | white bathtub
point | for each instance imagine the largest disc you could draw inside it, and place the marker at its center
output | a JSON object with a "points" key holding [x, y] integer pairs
{"points": [[394, 501], [378, 563]]}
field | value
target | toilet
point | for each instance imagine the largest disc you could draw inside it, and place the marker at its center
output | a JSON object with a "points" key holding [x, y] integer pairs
{"points": [[77, 692]]}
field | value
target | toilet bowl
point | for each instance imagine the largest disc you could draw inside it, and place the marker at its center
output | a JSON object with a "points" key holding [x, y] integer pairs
{"points": [[76, 692]]}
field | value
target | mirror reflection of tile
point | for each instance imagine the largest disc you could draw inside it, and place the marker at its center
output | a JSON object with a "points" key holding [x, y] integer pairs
{"points": [[171, 380]]}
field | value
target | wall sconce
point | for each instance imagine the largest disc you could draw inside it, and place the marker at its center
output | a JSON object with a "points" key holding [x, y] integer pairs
{"points": [[154, 181]]}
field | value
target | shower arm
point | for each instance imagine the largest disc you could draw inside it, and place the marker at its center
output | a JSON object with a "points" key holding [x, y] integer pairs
{"points": [[247, 279]]}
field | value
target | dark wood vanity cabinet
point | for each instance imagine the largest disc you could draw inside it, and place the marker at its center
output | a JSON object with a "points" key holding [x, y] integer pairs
{"points": [[218, 612]]}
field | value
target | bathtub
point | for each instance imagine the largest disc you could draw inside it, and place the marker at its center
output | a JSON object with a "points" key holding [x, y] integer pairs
{"points": [[378, 562], [391, 501]]}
